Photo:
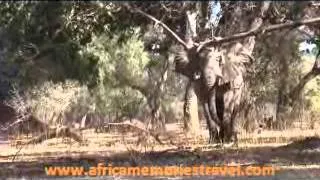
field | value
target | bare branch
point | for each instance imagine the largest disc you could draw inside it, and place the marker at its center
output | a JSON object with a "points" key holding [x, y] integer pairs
{"points": [[261, 30], [309, 35], [173, 34], [256, 24], [315, 4], [13, 124], [137, 126]]}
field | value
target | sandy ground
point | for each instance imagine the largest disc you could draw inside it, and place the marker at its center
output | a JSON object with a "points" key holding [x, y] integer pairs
{"points": [[298, 160]]}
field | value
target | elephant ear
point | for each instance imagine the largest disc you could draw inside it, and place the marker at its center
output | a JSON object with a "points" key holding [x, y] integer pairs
{"points": [[230, 69], [243, 54], [234, 62], [181, 61], [186, 63]]}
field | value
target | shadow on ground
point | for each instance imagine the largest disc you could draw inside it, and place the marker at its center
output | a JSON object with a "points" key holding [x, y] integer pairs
{"points": [[305, 152]]}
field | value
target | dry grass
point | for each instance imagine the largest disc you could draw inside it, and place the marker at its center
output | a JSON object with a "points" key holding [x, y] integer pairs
{"points": [[111, 143], [122, 149]]}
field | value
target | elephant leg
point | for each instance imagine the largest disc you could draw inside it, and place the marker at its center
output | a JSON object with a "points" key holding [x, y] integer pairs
{"points": [[212, 110], [236, 101], [233, 132], [219, 102], [212, 125], [227, 116]]}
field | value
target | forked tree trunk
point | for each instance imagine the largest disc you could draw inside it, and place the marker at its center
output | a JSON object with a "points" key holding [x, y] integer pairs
{"points": [[190, 110], [315, 71], [289, 100], [282, 103], [157, 121], [155, 100]]}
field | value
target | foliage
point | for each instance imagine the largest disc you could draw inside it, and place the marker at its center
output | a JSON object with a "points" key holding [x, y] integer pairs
{"points": [[48, 102], [312, 89], [265, 79], [120, 66], [316, 41], [93, 58]]}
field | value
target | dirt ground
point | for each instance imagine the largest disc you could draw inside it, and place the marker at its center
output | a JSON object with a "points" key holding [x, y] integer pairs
{"points": [[295, 152]]}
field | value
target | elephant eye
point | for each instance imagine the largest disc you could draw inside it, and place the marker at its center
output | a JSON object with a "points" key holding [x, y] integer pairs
{"points": [[219, 59]]}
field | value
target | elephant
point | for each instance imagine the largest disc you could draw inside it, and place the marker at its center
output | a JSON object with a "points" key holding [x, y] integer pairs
{"points": [[191, 64], [229, 88], [219, 83]]}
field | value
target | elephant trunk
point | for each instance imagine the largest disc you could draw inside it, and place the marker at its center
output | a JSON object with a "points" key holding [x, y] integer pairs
{"points": [[211, 75]]}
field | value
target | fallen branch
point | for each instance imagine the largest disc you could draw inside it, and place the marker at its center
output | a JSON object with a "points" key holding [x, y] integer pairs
{"points": [[138, 126], [51, 133], [56, 133], [13, 124]]}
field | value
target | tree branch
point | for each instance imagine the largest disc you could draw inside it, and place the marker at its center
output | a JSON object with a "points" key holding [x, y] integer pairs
{"points": [[173, 34], [256, 24], [218, 40], [163, 74], [56, 133], [13, 124], [260, 30], [315, 71], [294, 94]]}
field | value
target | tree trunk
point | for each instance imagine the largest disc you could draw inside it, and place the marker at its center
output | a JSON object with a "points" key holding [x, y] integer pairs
{"points": [[315, 71], [190, 109], [155, 99], [289, 100], [282, 103], [157, 121]]}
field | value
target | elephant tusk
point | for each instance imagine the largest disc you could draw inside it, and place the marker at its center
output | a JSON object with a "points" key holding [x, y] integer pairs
{"points": [[246, 52], [251, 58]]}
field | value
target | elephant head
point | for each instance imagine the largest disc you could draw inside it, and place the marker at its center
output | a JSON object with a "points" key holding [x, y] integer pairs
{"points": [[213, 64], [233, 64], [194, 64], [220, 71], [210, 62]]}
